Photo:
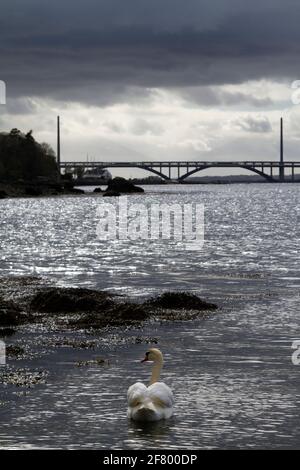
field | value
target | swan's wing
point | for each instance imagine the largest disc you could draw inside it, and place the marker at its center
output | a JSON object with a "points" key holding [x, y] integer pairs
{"points": [[136, 393], [161, 395]]}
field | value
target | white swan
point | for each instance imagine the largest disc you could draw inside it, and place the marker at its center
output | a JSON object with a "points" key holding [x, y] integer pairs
{"points": [[151, 403]]}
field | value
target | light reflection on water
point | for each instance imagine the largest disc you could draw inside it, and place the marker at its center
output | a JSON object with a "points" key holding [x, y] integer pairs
{"points": [[232, 376]]}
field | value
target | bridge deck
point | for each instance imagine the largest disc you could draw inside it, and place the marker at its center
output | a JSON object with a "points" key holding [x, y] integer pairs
{"points": [[167, 164], [184, 169]]}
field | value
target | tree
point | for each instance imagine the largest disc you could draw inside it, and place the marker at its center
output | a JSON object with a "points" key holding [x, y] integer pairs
{"points": [[21, 157], [47, 150]]}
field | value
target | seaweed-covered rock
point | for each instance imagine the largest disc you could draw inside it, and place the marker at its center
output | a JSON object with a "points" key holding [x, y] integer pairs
{"points": [[23, 377], [98, 361], [125, 313], [9, 313], [14, 350], [128, 311], [121, 185], [180, 300], [70, 300], [5, 332]]}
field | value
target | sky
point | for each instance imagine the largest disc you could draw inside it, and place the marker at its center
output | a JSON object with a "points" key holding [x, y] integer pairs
{"points": [[153, 80]]}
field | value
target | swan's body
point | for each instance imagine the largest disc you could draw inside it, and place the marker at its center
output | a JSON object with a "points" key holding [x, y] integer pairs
{"points": [[151, 403]]}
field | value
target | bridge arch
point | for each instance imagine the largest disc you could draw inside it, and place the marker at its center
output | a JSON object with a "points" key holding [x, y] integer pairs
{"points": [[164, 169], [156, 172], [141, 167], [245, 167]]}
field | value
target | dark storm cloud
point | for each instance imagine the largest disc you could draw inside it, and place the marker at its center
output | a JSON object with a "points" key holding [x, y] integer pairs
{"points": [[113, 51], [207, 96], [20, 106]]}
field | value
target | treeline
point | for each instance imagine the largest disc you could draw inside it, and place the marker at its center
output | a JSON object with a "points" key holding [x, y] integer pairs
{"points": [[24, 159], [148, 180]]}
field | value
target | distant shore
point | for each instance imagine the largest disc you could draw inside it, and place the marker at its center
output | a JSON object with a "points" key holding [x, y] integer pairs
{"points": [[36, 189], [10, 190]]}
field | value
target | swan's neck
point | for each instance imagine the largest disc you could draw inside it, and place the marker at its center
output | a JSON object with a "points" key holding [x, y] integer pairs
{"points": [[156, 369]]}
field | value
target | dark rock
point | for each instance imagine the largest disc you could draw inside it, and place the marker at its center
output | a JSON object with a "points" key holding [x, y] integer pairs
{"points": [[180, 300], [111, 194], [9, 313], [67, 183], [76, 191], [119, 314], [23, 377], [32, 191], [122, 185], [93, 362], [129, 311], [58, 187], [86, 308], [5, 332], [74, 343], [147, 340], [14, 351], [3, 194], [97, 190], [69, 300]]}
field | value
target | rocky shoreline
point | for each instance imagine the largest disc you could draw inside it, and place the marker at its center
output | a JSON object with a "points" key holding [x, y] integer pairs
{"points": [[25, 300], [116, 187], [8, 191], [75, 319]]}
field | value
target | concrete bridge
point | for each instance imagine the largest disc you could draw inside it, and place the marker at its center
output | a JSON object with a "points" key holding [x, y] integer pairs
{"points": [[272, 171], [179, 170]]}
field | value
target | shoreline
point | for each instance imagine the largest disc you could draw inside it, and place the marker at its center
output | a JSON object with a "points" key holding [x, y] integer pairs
{"points": [[35, 190], [115, 187]]}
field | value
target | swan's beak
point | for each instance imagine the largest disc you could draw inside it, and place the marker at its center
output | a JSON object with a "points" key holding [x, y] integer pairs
{"points": [[146, 358]]}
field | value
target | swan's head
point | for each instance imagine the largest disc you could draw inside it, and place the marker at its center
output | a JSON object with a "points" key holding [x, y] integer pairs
{"points": [[153, 355]]}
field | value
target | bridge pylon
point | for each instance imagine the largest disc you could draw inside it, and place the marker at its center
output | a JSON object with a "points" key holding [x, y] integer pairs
{"points": [[281, 163]]}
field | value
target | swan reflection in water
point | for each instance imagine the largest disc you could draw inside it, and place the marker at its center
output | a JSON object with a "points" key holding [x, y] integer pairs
{"points": [[155, 431]]}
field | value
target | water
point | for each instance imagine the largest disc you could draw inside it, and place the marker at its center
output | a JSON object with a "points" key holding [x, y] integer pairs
{"points": [[232, 374]]}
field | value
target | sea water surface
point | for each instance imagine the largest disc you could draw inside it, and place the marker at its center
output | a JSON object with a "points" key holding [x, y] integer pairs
{"points": [[232, 374]]}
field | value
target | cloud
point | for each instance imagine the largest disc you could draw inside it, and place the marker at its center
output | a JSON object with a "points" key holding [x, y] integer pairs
{"points": [[197, 145], [114, 127], [256, 124], [141, 127], [216, 96], [135, 79], [107, 52], [21, 105]]}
